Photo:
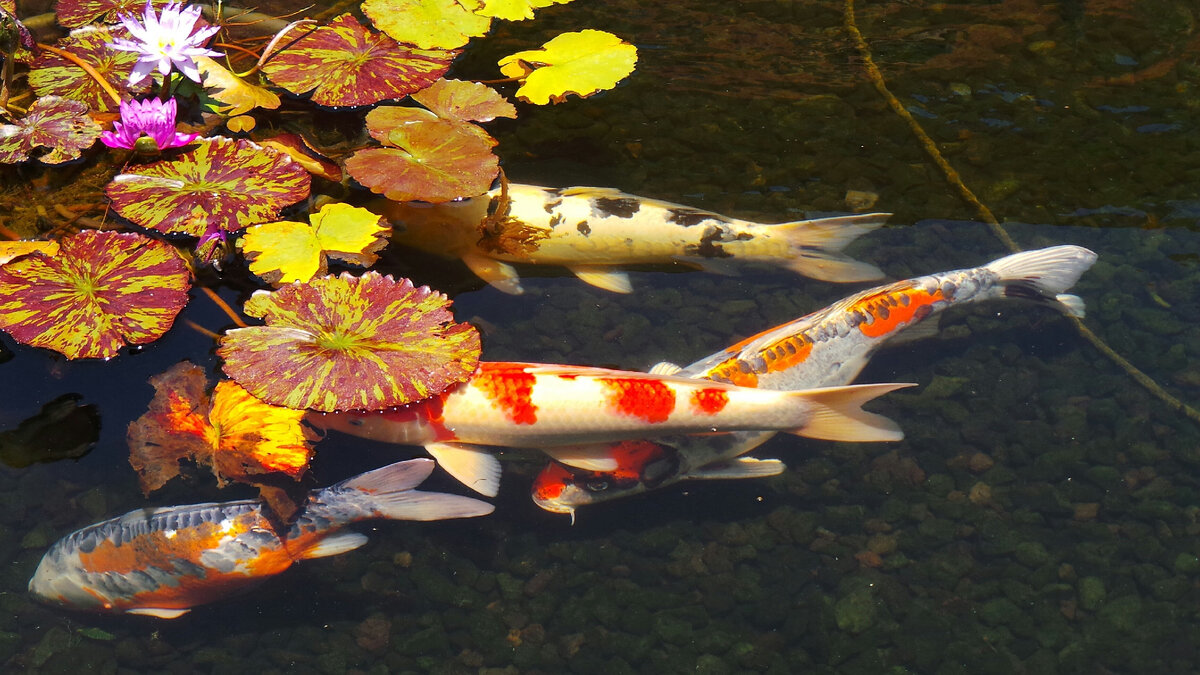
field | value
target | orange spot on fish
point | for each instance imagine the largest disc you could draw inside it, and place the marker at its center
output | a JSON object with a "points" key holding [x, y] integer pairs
{"points": [[632, 457], [550, 482], [787, 353], [650, 400], [709, 401], [890, 313], [510, 387]]}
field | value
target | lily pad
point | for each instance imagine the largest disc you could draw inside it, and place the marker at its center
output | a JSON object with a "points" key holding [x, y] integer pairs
{"points": [[103, 290], [464, 101], [54, 75], [345, 64], [222, 183], [233, 95], [349, 343], [433, 160], [514, 10], [15, 249], [235, 435], [287, 251], [53, 122], [580, 63], [428, 24], [76, 13]]}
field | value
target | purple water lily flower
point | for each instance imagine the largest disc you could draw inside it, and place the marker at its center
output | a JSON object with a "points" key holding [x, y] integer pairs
{"points": [[151, 118], [165, 41]]}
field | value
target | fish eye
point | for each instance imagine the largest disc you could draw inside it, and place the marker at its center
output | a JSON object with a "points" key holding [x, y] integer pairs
{"points": [[357, 422], [596, 485]]}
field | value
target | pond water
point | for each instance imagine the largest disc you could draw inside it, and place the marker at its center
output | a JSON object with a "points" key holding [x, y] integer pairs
{"points": [[1042, 514]]}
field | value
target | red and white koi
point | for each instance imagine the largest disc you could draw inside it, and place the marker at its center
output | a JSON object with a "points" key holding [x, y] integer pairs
{"points": [[823, 349], [592, 231], [163, 561], [546, 406]]}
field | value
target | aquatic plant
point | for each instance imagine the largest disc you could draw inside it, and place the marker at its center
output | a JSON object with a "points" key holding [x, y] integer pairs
{"points": [[166, 42], [286, 251], [151, 119]]}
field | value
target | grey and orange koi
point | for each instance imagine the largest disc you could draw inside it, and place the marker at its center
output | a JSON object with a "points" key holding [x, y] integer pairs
{"points": [[593, 231], [562, 409], [823, 349], [163, 561]]}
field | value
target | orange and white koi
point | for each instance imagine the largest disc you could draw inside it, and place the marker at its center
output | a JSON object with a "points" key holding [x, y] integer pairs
{"points": [[560, 408], [163, 561], [592, 231], [826, 348]]}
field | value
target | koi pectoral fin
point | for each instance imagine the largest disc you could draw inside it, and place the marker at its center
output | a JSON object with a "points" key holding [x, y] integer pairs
{"points": [[742, 467], [603, 276], [158, 612], [500, 275], [336, 544], [592, 457], [475, 467]]}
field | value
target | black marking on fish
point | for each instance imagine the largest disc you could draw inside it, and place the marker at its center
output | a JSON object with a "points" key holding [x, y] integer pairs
{"points": [[710, 244], [949, 289], [556, 220], [688, 217], [583, 228], [553, 204], [493, 205], [905, 300], [922, 312], [881, 310], [621, 207], [1027, 291]]}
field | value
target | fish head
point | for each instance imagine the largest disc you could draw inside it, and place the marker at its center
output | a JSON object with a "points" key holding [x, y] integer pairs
{"points": [[57, 582], [642, 466]]}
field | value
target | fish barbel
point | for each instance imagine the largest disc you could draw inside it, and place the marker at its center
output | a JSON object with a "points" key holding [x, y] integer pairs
{"points": [[163, 561], [545, 406], [826, 348], [591, 231]]}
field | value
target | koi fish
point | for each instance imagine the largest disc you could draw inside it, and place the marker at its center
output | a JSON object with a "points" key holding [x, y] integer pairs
{"points": [[163, 561], [823, 349], [591, 231], [546, 406]]}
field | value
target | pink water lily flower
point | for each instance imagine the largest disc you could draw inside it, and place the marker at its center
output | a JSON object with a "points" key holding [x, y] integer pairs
{"points": [[165, 41], [152, 118]]}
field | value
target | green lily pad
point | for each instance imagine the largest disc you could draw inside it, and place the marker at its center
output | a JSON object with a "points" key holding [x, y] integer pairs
{"points": [[344, 63], [348, 343], [53, 122], [224, 183], [101, 291], [53, 75]]}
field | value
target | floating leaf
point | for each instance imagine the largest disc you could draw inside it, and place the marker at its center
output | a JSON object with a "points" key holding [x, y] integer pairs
{"points": [[76, 13], [53, 122], [222, 183], [580, 63], [514, 10], [464, 101], [102, 290], [51, 74], [236, 95], [344, 63], [14, 249], [428, 24], [286, 251], [232, 433], [434, 160], [302, 153], [347, 342]]}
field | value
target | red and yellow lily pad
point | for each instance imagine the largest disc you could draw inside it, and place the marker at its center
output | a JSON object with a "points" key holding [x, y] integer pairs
{"points": [[59, 125], [287, 251], [464, 101], [10, 250], [350, 343], [222, 183], [102, 290], [428, 24], [53, 75], [76, 13], [345, 64], [235, 435], [580, 63]]}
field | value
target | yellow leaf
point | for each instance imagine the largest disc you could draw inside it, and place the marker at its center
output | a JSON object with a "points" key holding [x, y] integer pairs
{"points": [[252, 437], [238, 95], [428, 24], [285, 251], [580, 63], [514, 10], [241, 124], [14, 249]]}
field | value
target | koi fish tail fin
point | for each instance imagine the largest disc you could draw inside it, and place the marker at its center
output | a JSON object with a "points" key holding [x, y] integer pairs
{"points": [[389, 492], [838, 414], [816, 245], [1044, 274]]}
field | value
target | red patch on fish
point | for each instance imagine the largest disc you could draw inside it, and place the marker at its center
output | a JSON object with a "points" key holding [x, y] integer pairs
{"points": [[650, 400], [709, 401], [550, 482], [510, 387], [893, 310], [632, 457]]}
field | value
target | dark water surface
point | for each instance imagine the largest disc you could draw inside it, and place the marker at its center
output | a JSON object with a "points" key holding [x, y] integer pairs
{"points": [[1041, 516]]}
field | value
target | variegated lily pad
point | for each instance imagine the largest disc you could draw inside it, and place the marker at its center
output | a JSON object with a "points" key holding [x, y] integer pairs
{"points": [[52, 122], [428, 24], [464, 101], [347, 342], [76, 13], [51, 74], [345, 64], [432, 160], [102, 290], [223, 183]]}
